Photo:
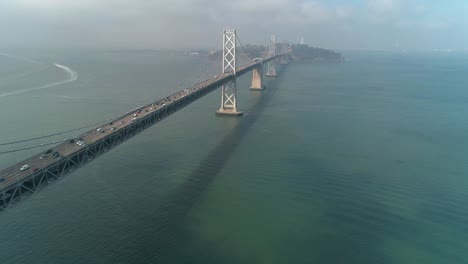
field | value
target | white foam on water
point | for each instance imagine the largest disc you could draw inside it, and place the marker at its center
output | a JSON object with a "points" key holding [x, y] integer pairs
{"points": [[72, 76]]}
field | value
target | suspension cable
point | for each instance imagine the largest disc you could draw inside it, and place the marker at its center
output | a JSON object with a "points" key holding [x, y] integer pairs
{"points": [[242, 46], [32, 147], [104, 121], [209, 69], [55, 134]]}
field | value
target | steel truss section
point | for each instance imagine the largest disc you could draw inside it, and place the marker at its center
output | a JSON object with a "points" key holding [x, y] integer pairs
{"points": [[65, 165], [21, 190]]}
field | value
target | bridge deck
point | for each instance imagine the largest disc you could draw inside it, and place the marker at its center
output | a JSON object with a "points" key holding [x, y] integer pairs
{"points": [[17, 184]]}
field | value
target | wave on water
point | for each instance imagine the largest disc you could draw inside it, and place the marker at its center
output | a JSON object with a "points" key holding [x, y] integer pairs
{"points": [[72, 76]]}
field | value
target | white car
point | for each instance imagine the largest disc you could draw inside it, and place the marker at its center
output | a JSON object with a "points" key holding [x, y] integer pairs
{"points": [[24, 167], [81, 143]]}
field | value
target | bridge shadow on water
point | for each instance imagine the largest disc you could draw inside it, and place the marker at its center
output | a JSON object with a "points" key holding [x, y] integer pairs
{"points": [[168, 221]]}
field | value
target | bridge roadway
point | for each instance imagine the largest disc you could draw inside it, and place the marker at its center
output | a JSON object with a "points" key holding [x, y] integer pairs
{"points": [[16, 185]]}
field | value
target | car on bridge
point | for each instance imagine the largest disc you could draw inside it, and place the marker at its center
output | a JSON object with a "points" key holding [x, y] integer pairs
{"points": [[24, 167]]}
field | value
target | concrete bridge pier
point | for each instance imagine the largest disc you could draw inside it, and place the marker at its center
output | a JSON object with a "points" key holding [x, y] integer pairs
{"points": [[257, 77], [229, 100]]}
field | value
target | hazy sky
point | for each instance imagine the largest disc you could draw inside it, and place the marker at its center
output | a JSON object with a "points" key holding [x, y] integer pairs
{"points": [[337, 24]]}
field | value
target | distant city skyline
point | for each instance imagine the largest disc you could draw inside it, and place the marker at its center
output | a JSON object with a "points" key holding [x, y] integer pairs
{"points": [[194, 24]]}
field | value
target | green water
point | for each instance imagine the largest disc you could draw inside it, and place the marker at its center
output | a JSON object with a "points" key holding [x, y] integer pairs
{"points": [[359, 162]]}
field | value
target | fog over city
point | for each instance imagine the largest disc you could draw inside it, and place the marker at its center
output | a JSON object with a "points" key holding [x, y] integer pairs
{"points": [[143, 24]]}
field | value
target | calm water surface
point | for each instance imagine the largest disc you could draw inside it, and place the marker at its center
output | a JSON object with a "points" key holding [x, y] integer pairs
{"points": [[360, 162]]}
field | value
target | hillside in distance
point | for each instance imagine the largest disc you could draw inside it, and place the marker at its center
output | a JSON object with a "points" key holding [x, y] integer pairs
{"points": [[300, 52], [306, 53]]}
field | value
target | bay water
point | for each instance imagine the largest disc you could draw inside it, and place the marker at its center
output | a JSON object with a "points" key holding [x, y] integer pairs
{"points": [[358, 162]]}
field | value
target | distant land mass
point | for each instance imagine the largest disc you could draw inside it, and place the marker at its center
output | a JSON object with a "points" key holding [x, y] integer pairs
{"points": [[300, 52], [306, 53]]}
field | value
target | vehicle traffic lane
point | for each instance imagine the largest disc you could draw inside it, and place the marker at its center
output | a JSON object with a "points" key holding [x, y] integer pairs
{"points": [[13, 175]]}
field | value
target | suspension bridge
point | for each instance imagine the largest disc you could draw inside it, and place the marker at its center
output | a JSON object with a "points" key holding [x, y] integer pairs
{"points": [[27, 177]]}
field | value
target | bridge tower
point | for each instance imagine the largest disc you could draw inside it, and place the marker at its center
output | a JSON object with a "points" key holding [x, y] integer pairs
{"points": [[285, 57], [257, 75], [229, 89], [271, 72]]}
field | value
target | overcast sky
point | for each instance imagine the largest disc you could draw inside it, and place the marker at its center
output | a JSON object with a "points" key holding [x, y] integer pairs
{"points": [[134, 24]]}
